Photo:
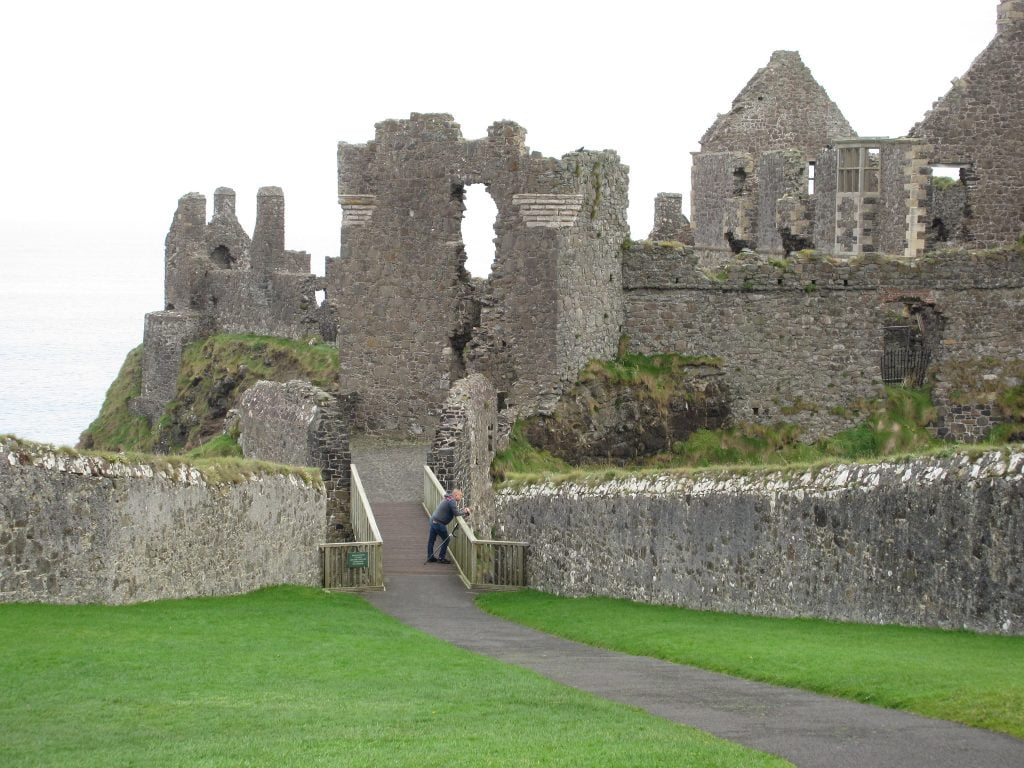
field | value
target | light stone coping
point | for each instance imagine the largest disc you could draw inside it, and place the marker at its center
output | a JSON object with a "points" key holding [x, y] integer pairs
{"points": [[551, 211], [357, 210]]}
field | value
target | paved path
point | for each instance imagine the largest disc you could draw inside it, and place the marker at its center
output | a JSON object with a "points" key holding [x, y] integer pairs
{"points": [[805, 728]]}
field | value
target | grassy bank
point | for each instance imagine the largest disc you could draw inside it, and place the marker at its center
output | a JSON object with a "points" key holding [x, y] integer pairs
{"points": [[891, 428], [960, 676], [215, 371], [295, 677]]}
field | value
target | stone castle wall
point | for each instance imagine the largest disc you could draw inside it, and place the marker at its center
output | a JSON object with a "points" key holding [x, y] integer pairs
{"points": [[218, 280], [299, 424], [979, 124], [76, 529], [802, 339], [410, 319], [928, 542]]}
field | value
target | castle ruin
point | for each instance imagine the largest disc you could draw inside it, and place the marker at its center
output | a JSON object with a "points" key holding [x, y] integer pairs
{"points": [[812, 257]]}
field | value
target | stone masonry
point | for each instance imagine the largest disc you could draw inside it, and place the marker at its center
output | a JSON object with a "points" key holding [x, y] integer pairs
{"points": [[799, 228], [218, 280], [669, 222], [979, 125], [928, 542], [299, 424], [782, 108], [410, 320], [80, 529], [802, 340]]}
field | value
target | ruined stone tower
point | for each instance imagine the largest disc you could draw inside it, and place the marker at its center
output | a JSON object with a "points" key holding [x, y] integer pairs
{"points": [[412, 322], [219, 280]]}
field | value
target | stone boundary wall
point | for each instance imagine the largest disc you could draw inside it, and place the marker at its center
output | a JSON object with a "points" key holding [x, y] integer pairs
{"points": [[81, 529], [935, 542], [465, 443]]}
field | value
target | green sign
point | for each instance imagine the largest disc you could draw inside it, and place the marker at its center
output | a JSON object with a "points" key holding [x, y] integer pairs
{"points": [[358, 559]]}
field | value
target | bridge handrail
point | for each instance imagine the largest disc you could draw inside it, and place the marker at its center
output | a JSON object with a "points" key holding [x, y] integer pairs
{"points": [[482, 563], [339, 572]]}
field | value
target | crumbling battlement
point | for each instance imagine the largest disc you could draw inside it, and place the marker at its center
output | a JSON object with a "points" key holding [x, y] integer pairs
{"points": [[219, 280], [410, 319]]}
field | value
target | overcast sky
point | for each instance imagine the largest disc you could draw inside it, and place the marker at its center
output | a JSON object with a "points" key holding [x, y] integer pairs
{"points": [[111, 111]]}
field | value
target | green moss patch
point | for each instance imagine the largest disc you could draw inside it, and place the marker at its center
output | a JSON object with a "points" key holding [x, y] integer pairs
{"points": [[891, 427]]}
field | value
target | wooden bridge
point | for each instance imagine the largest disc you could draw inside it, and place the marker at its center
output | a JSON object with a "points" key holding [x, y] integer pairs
{"points": [[391, 538]]}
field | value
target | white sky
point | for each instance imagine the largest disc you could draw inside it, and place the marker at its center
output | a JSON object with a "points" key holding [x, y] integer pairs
{"points": [[113, 110]]}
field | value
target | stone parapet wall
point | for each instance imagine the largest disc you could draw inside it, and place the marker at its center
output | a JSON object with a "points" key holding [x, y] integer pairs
{"points": [[928, 542], [663, 268], [81, 529]]}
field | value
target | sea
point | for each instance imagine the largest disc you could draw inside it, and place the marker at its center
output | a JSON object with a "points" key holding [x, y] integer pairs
{"points": [[73, 300]]}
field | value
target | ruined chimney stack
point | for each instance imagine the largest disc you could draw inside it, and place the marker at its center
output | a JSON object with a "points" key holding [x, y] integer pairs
{"points": [[267, 248], [1010, 13], [224, 202]]}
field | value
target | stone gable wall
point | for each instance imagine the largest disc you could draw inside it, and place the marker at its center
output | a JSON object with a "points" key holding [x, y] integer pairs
{"points": [[930, 542], [76, 529], [980, 124]]}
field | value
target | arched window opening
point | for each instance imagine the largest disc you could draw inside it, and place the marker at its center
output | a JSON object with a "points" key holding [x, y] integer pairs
{"points": [[222, 257], [478, 233]]}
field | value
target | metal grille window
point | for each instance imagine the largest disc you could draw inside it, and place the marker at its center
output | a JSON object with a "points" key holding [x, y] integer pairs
{"points": [[904, 358]]}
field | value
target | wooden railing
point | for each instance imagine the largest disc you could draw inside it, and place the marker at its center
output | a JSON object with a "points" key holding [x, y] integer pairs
{"points": [[482, 563], [356, 565]]}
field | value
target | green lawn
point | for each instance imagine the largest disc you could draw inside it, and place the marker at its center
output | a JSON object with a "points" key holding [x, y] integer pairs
{"points": [[291, 676], [959, 676]]}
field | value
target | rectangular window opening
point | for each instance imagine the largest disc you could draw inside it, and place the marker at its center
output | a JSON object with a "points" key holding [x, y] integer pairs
{"points": [[946, 176]]}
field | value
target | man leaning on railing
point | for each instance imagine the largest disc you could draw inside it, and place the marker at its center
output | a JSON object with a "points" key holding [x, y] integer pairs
{"points": [[446, 511]]}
